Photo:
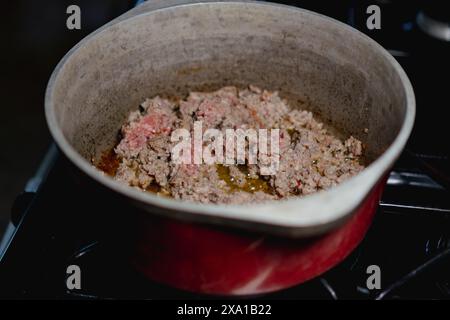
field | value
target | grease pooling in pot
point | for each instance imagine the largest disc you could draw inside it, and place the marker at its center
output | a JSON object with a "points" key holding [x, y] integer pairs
{"points": [[310, 157]]}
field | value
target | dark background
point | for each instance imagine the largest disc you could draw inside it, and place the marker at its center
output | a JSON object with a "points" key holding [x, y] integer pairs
{"points": [[35, 38]]}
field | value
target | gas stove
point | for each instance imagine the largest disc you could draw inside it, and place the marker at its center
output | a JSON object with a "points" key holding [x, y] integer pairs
{"points": [[63, 224], [56, 222]]}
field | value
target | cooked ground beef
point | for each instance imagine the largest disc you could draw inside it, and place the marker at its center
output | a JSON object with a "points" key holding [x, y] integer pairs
{"points": [[311, 158]]}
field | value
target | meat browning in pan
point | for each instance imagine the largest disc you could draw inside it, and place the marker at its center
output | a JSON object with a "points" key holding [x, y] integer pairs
{"points": [[310, 157]]}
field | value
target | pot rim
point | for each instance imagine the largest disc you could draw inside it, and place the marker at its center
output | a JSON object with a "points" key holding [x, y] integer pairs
{"points": [[305, 215]]}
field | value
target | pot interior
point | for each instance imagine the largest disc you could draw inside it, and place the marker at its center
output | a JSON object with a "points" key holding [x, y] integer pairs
{"points": [[315, 62]]}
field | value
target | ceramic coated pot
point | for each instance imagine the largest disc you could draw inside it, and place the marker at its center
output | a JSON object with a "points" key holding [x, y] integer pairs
{"points": [[347, 79]]}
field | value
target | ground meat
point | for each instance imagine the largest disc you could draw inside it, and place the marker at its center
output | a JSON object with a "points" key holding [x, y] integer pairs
{"points": [[156, 117], [311, 158]]}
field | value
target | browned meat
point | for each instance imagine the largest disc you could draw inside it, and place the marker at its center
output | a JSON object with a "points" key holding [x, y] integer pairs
{"points": [[311, 159]]}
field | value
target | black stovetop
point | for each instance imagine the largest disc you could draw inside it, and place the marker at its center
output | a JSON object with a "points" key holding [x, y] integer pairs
{"points": [[60, 222], [66, 224]]}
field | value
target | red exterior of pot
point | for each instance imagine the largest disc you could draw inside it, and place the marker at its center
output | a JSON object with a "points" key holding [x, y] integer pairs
{"points": [[202, 259]]}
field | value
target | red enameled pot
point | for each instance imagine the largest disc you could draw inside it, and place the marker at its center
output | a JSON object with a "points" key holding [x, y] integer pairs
{"points": [[171, 47]]}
